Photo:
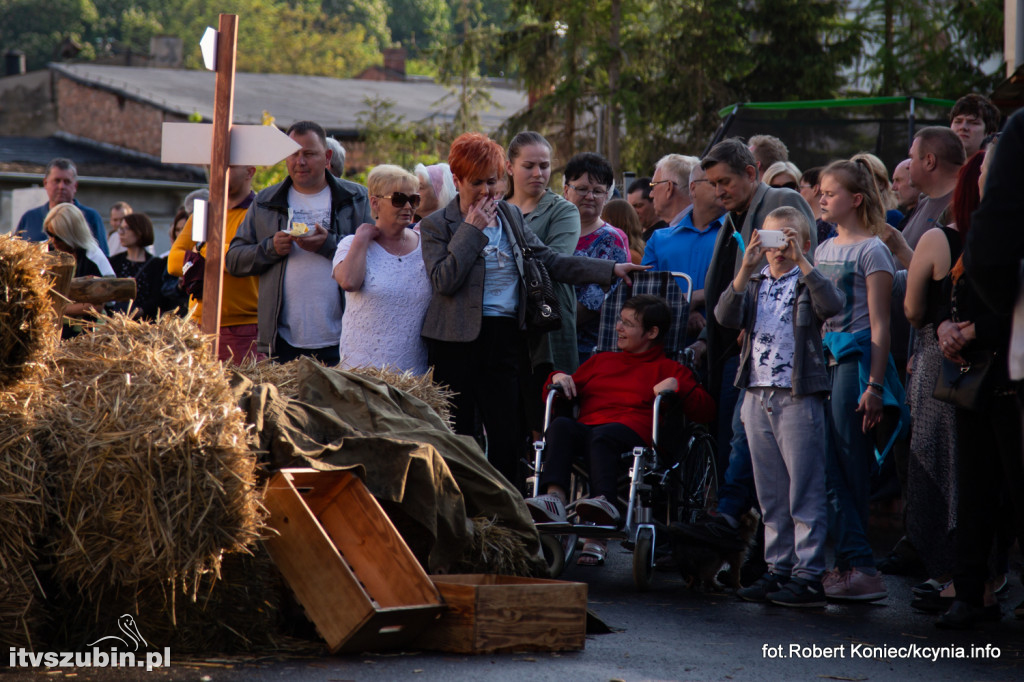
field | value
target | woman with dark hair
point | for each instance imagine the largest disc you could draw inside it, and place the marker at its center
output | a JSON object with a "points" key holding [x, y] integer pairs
{"points": [[931, 495], [616, 393], [136, 233], [989, 471], [475, 321]]}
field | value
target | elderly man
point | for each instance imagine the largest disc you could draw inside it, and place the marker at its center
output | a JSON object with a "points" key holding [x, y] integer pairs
{"points": [[689, 242], [906, 194], [61, 185], [639, 195], [337, 165], [300, 304]]}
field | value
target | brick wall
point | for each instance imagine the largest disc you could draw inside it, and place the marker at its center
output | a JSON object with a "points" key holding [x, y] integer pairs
{"points": [[104, 116]]}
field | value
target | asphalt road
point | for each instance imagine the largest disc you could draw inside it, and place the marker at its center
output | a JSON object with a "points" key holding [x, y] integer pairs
{"points": [[672, 633]]}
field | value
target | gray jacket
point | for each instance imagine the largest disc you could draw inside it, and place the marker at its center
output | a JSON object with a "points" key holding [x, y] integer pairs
{"points": [[817, 299], [252, 252], [453, 256]]}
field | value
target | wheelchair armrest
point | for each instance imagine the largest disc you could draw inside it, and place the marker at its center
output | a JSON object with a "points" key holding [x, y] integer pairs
{"points": [[666, 393]]}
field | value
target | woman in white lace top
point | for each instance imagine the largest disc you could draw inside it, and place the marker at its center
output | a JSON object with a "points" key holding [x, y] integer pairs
{"points": [[380, 268]]}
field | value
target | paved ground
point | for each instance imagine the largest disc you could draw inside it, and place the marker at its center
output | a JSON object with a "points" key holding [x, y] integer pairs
{"points": [[671, 633]]}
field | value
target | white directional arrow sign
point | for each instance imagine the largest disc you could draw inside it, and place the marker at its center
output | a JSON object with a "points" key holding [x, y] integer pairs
{"points": [[251, 145]]}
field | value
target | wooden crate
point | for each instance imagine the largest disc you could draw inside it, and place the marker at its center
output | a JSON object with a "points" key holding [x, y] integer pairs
{"points": [[499, 613], [349, 568]]}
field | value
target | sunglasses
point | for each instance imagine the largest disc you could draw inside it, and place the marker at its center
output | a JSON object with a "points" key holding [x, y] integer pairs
{"points": [[789, 185], [400, 199]]}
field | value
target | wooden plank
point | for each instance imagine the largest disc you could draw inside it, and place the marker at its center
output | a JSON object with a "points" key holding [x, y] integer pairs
{"points": [[102, 289], [375, 551], [323, 486], [223, 109], [314, 569], [393, 628]]}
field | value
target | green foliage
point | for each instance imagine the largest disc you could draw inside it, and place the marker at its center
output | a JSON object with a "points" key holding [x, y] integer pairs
{"points": [[390, 139], [419, 24], [38, 28], [459, 61]]}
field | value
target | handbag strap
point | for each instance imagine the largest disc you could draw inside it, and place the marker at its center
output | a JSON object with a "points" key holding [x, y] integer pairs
{"points": [[516, 225]]}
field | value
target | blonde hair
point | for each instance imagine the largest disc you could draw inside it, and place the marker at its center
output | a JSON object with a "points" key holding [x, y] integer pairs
{"points": [[68, 224], [856, 178], [781, 168], [386, 178], [794, 218], [881, 176]]}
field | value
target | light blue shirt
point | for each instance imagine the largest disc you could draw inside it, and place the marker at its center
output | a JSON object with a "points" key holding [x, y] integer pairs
{"points": [[683, 248], [501, 277]]}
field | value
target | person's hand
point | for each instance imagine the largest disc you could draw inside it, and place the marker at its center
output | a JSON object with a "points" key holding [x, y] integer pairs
{"points": [[952, 339], [623, 269], [897, 245], [694, 324], [367, 232], [699, 349], [565, 383], [793, 249], [313, 241], [871, 405], [482, 212], [669, 384], [752, 256], [282, 243]]}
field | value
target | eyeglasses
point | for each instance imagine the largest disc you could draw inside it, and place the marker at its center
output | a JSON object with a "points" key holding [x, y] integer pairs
{"points": [[595, 192], [788, 185], [400, 199], [655, 183]]}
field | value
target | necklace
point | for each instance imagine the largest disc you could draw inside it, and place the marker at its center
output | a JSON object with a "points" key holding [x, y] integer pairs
{"points": [[398, 251]]}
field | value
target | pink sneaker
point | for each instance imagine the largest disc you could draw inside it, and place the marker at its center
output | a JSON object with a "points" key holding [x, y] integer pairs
{"points": [[832, 577], [857, 586]]}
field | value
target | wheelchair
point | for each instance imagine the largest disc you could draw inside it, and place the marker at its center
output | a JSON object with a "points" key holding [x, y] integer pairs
{"points": [[672, 481]]}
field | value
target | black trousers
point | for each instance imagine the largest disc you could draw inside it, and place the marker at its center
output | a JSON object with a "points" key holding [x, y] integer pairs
{"points": [[285, 352], [600, 446], [989, 462], [485, 375]]}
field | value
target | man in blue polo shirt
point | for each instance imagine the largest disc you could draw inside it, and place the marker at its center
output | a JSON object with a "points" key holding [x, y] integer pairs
{"points": [[684, 198], [61, 185]]}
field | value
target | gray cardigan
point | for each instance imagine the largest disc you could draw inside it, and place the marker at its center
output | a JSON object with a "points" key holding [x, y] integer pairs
{"points": [[817, 299], [453, 256]]}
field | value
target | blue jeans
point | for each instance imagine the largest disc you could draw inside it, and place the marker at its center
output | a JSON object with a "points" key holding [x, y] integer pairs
{"points": [[737, 494], [848, 464]]}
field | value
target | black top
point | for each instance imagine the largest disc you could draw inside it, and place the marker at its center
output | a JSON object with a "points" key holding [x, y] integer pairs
{"points": [[938, 293]]}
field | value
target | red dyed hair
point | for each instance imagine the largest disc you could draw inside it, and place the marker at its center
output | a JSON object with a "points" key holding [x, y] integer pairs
{"points": [[966, 198], [474, 156]]}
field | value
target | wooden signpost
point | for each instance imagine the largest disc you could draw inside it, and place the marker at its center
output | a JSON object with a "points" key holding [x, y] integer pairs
{"points": [[228, 145]]}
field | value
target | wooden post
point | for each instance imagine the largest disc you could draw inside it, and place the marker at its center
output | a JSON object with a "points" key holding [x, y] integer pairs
{"points": [[223, 109]]}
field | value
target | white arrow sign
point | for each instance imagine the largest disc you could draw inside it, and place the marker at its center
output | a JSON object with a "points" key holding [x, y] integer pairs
{"points": [[251, 145], [208, 46]]}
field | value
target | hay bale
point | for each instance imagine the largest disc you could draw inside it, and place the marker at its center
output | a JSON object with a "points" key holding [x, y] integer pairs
{"points": [[437, 396], [493, 548], [28, 321], [22, 614], [147, 462]]}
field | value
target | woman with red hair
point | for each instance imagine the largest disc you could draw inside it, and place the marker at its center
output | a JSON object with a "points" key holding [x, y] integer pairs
{"points": [[475, 323]]}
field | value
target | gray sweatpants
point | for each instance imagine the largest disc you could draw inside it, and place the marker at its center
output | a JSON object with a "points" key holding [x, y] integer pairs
{"points": [[787, 437]]}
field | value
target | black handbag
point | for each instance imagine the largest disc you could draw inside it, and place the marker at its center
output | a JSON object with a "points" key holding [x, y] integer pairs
{"points": [[543, 313], [970, 385]]}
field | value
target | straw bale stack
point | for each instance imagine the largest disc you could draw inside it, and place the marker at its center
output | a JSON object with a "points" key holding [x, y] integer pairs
{"points": [[22, 514], [150, 475], [27, 318], [437, 396]]}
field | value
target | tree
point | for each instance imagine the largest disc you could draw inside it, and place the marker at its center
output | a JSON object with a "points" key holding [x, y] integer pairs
{"points": [[390, 139], [38, 28], [419, 24]]}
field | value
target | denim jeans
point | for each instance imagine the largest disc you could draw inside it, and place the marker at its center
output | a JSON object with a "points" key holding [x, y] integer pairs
{"points": [[737, 494]]}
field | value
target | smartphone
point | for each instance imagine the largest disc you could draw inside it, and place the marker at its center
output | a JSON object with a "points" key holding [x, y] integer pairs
{"points": [[772, 239]]}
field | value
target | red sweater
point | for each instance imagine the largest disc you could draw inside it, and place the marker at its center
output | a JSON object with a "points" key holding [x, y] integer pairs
{"points": [[619, 388]]}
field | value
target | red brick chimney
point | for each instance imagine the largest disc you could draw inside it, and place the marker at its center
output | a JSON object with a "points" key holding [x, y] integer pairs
{"points": [[394, 62]]}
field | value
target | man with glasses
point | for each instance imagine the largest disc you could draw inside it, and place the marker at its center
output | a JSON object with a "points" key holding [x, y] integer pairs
{"points": [[684, 197], [288, 238], [61, 184]]}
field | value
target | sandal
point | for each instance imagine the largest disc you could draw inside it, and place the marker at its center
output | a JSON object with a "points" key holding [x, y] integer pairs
{"points": [[593, 553]]}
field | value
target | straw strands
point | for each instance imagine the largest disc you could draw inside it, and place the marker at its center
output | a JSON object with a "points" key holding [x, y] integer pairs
{"points": [[494, 548], [149, 471], [27, 318]]}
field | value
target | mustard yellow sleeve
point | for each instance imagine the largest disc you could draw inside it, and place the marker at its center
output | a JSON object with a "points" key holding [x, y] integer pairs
{"points": [[176, 258]]}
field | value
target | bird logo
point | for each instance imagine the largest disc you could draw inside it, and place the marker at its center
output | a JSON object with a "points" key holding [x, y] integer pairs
{"points": [[127, 625]]}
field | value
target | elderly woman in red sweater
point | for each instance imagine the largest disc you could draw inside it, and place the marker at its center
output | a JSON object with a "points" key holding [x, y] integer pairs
{"points": [[616, 393]]}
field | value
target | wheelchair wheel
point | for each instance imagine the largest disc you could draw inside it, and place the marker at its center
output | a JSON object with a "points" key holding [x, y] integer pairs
{"points": [[558, 551], [643, 566], [698, 492]]}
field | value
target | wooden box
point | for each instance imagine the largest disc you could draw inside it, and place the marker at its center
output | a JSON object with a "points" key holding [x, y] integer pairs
{"points": [[349, 568], [499, 613]]}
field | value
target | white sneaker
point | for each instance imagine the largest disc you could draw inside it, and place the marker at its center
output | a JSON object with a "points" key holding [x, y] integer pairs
{"points": [[546, 509], [598, 511]]}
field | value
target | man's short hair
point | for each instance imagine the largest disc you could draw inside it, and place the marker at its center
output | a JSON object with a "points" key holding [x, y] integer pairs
{"points": [[980, 106], [732, 153], [337, 165], [303, 127], [61, 164], [121, 206], [768, 149], [794, 218], [678, 168], [651, 311], [593, 165], [640, 185], [943, 143], [812, 175]]}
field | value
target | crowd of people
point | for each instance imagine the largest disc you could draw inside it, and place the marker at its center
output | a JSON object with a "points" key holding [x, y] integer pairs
{"points": [[829, 308]]}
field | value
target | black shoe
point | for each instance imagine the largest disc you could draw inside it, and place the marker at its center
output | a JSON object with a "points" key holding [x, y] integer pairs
{"points": [[767, 584], [932, 604], [963, 616], [900, 564], [930, 588], [712, 530], [799, 592]]}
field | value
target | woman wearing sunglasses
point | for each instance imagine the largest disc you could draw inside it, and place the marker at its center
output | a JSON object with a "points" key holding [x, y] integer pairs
{"points": [[475, 323], [380, 268]]}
